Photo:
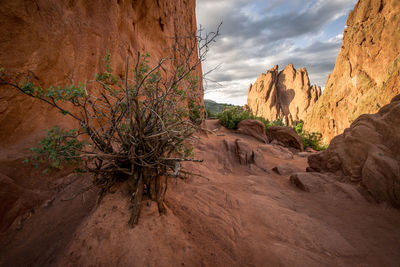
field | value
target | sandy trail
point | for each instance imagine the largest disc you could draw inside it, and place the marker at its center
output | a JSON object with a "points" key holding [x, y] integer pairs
{"points": [[239, 215]]}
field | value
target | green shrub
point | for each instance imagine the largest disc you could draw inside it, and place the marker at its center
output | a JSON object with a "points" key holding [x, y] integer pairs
{"points": [[194, 112], [313, 140], [231, 117], [209, 114]]}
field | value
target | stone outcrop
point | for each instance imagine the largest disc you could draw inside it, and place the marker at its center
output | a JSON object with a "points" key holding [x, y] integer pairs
{"points": [[283, 95], [367, 71], [368, 153], [62, 40], [240, 152]]}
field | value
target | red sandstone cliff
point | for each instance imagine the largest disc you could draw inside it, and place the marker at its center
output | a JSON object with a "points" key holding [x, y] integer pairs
{"points": [[282, 95], [57, 40], [367, 71]]}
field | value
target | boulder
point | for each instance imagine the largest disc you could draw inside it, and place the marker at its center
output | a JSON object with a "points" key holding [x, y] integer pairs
{"points": [[254, 128], [285, 136], [367, 153]]}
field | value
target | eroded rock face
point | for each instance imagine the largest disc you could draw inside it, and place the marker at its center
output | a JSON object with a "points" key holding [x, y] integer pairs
{"points": [[367, 71], [282, 95], [239, 152], [62, 40], [368, 152]]}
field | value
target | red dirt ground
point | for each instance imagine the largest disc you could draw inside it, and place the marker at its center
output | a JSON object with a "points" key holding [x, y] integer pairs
{"points": [[235, 215]]}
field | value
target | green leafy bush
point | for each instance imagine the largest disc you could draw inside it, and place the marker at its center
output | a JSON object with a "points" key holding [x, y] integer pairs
{"points": [[231, 117], [59, 146], [313, 140]]}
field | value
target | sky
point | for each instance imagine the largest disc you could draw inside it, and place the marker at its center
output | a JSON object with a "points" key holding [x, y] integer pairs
{"points": [[256, 35]]}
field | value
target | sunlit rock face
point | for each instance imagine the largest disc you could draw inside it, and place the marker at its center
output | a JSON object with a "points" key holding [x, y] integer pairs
{"points": [[368, 152], [285, 94], [61, 41], [367, 71]]}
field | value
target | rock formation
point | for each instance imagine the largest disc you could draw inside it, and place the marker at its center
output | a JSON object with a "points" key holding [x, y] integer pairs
{"points": [[282, 95], [62, 40], [367, 71], [368, 152]]}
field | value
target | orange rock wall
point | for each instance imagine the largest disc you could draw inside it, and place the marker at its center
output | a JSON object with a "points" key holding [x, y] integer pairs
{"points": [[59, 40], [285, 94], [367, 71]]}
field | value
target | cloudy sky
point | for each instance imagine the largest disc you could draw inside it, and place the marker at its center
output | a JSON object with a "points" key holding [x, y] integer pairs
{"points": [[258, 34]]}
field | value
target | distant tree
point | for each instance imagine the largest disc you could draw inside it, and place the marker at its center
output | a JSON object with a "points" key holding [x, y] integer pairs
{"points": [[134, 129]]}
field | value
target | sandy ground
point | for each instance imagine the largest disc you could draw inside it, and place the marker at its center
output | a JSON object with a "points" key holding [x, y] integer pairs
{"points": [[235, 215]]}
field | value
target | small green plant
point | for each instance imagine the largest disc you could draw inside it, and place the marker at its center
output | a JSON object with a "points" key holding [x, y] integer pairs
{"points": [[231, 117], [58, 147], [313, 140], [195, 112]]}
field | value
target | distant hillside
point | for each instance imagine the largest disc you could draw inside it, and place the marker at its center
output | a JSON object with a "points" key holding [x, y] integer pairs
{"points": [[214, 106]]}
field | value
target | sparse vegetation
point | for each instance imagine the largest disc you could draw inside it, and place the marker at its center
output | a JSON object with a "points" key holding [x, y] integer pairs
{"points": [[313, 140], [231, 117]]}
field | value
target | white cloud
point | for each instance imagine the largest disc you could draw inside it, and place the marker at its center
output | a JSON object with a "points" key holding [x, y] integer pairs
{"points": [[256, 35]]}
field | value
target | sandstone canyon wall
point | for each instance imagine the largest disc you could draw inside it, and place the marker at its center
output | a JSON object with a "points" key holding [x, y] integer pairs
{"points": [[367, 71], [283, 95], [58, 40]]}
